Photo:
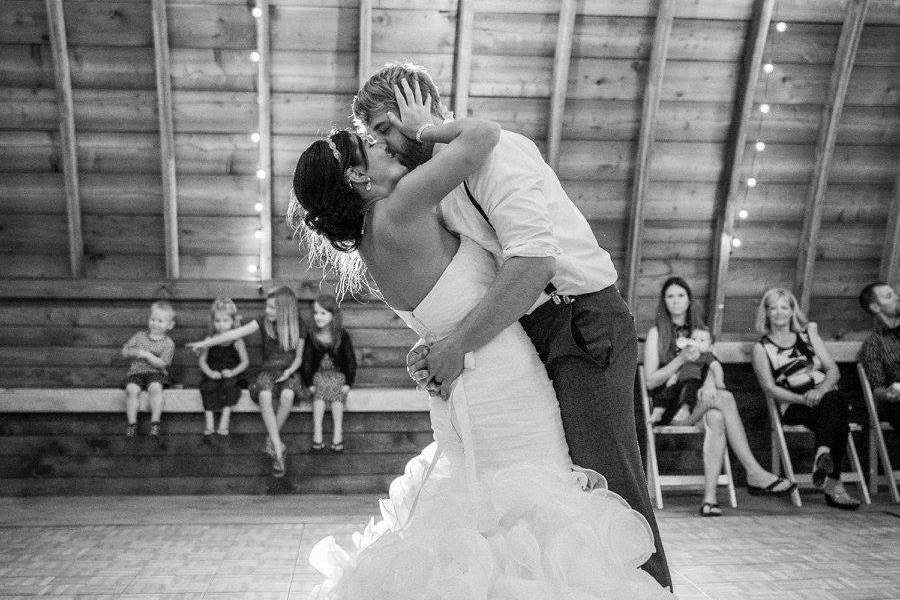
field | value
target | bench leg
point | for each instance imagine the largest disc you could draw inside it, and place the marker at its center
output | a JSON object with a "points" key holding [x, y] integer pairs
{"points": [[857, 467], [726, 463]]}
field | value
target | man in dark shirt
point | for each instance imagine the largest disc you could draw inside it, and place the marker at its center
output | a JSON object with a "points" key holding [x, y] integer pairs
{"points": [[880, 353]]}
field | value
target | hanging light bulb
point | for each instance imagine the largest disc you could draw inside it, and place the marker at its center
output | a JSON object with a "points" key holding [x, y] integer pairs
{"points": [[751, 182], [764, 108], [256, 12], [736, 242], [781, 26], [254, 56], [254, 137], [260, 173], [743, 214], [768, 67], [258, 234], [760, 146], [258, 207]]}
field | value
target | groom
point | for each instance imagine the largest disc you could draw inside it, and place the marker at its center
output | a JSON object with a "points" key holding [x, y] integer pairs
{"points": [[553, 277]]}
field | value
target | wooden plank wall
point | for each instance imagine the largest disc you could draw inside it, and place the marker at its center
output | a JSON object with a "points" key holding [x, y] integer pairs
{"points": [[314, 72]]}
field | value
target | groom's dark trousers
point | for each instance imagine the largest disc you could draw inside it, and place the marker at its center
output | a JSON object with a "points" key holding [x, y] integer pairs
{"points": [[590, 349]]}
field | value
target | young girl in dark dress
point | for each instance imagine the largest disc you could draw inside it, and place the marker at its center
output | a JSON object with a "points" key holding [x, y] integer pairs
{"points": [[329, 369], [221, 365], [278, 381]]}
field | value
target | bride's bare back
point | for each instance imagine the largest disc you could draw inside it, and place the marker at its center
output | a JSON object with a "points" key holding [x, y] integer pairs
{"points": [[406, 259]]}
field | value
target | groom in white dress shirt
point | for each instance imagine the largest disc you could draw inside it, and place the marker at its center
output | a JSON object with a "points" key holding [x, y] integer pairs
{"points": [[553, 277]]}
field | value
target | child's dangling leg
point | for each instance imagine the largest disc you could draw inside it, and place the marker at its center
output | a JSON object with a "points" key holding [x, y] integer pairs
{"points": [[132, 402], [224, 421], [318, 443], [337, 436], [210, 426]]}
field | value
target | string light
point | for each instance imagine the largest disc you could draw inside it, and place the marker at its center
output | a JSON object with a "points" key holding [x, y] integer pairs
{"points": [[764, 108], [781, 26], [768, 68], [743, 213], [751, 182], [760, 146], [256, 12], [254, 137], [258, 207], [254, 56], [258, 233], [736, 242], [252, 268], [260, 173]]}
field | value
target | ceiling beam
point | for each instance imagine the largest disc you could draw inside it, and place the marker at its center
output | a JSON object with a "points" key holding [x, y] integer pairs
{"points": [[851, 30], [462, 64], [166, 136], [561, 59], [658, 51], [725, 208], [365, 40], [264, 128], [67, 150], [890, 258]]}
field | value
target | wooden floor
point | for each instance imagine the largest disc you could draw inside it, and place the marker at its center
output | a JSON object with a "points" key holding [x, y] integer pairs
{"points": [[255, 547]]}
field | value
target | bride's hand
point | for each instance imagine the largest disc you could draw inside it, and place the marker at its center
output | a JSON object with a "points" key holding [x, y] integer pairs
{"points": [[414, 110]]}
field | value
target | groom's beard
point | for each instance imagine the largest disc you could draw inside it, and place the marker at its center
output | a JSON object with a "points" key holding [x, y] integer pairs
{"points": [[415, 154]]}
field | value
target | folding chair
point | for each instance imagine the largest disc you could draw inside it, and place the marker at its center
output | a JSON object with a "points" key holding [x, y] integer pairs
{"points": [[781, 457], [877, 447], [655, 481]]}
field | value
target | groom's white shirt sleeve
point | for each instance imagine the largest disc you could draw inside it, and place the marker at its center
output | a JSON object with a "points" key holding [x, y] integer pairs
{"points": [[532, 216]]}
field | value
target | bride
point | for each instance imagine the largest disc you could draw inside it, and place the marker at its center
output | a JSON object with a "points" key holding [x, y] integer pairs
{"points": [[494, 508]]}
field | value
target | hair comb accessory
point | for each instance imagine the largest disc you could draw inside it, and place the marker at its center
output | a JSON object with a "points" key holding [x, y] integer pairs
{"points": [[334, 150]]}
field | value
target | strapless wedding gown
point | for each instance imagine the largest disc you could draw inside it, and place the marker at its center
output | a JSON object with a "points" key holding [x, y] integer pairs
{"points": [[493, 509]]}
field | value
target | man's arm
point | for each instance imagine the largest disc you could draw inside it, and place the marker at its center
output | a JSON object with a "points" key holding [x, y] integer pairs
{"points": [[515, 289]]}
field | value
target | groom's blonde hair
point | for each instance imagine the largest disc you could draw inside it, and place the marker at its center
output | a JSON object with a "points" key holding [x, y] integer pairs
{"points": [[376, 96]]}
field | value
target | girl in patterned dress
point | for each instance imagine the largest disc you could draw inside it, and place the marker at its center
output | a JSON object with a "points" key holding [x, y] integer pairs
{"points": [[329, 368], [221, 364]]}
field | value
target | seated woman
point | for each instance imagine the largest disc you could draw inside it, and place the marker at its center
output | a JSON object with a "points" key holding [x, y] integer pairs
{"points": [[687, 398], [793, 366]]}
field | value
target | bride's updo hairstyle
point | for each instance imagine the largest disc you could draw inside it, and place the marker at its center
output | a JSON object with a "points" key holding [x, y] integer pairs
{"points": [[331, 206], [327, 213]]}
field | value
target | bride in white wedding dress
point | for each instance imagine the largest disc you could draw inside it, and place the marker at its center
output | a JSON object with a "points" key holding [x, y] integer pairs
{"points": [[494, 508]]}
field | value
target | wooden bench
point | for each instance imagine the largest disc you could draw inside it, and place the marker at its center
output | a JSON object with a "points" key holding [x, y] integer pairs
{"points": [[112, 400]]}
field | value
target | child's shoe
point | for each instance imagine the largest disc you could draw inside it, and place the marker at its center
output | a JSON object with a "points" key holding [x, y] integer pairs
{"points": [[131, 430], [154, 429]]}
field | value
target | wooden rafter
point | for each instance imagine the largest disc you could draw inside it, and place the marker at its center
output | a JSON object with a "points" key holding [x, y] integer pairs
{"points": [[661, 33], [365, 40], [854, 18], [462, 65], [561, 60], [725, 210], [166, 136], [68, 153], [890, 258], [264, 97]]}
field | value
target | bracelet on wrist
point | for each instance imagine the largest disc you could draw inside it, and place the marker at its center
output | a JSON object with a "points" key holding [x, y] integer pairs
{"points": [[421, 129]]}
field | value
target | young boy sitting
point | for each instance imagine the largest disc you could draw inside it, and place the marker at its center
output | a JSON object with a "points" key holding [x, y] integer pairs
{"points": [[151, 351]]}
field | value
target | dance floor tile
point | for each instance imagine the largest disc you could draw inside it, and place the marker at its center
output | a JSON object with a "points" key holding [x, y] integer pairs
{"points": [[256, 548]]}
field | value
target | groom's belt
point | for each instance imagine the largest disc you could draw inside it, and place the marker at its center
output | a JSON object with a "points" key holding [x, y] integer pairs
{"points": [[558, 298]]}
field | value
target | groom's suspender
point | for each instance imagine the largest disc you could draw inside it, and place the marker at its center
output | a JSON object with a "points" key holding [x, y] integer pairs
{"points": [[550, 290]]}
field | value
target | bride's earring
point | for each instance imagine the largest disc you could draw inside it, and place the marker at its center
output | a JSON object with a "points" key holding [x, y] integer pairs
{"points": [[369, 185]]}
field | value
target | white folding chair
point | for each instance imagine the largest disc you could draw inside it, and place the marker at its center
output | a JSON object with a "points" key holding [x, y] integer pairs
{"points": [[877, 446], [781, 457], [655, 481]]}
